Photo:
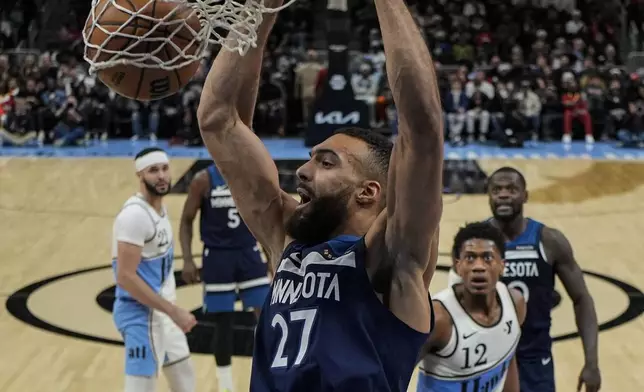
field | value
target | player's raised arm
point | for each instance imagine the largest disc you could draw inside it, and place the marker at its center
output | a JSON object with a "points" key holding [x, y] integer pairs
{"points": [[225, 116], [414, 199]]}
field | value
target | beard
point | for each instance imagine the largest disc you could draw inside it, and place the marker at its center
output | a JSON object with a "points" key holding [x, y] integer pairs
{"points": [[517, 210], [318, 219], [153, 190]]}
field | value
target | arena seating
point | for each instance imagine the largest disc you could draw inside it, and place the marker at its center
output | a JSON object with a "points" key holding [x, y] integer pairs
{"points": [[510, 73]]}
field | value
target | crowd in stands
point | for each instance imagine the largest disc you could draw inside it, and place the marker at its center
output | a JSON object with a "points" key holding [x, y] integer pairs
{"points": [[509, 72]]}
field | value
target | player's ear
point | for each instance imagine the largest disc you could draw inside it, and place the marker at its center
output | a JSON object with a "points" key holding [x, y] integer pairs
{"points": [[369, 192], [525, 199]]}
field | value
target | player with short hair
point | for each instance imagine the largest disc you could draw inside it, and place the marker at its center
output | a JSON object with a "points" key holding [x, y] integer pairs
{"points": [[152, 326], [349, 308], [535, 254], [478, 321], [231, 260]]}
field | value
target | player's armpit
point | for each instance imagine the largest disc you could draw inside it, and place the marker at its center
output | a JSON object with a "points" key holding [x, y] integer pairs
{"points": [[519, 304], [442, 332], [512, 379], [252, 177]]}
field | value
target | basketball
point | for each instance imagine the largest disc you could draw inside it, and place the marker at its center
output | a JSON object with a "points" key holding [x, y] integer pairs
{"points": [[135, 82]]}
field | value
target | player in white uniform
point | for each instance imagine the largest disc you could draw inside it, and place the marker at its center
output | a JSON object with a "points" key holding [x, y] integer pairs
{"points": [[478, 321], [152, 326]]}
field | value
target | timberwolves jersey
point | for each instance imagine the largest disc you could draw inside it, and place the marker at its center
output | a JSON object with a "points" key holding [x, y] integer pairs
{"points": [[138, 219], [322, 327], [527, 270], [476, 358], [221, 225]]}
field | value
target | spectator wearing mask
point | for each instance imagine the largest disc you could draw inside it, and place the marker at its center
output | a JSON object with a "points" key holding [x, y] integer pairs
{"points": [[529, 107], [455, 105], [477, 112], [575, 107]]}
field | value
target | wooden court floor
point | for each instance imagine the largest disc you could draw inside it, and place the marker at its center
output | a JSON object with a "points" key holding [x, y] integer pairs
{"points": [[56, 217]]}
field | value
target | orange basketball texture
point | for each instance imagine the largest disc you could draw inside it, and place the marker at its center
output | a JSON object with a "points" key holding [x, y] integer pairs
{"points": [[134, 82]]}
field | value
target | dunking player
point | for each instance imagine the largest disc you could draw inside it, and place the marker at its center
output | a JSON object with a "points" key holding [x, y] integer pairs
{"points": [[151, 324], [534, 254], [231, 262], [348, 309], [478, 322]]}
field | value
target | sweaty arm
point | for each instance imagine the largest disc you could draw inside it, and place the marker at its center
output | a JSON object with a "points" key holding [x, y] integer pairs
{"points": [[196, 191], [131, 229], [512, 378], [225, 117], [414, 189], [560, 253]]}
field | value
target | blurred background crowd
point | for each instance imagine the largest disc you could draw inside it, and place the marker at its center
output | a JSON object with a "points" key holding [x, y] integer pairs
{"points": [[511, 72]]}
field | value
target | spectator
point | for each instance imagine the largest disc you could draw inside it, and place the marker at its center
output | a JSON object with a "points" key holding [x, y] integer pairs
{"points": [[575, 107], [529, 107], [148, 111], [477, 112], [635, 134], [479, 84], [455, 104], [305, 77], [617, 109]]}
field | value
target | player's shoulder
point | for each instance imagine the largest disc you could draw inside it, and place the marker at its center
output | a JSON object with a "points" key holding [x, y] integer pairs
{"points": [[201, 181], [554, 240], [134, 208]]}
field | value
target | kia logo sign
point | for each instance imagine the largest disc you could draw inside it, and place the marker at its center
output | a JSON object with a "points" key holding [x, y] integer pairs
{"points": [[337, 118]]}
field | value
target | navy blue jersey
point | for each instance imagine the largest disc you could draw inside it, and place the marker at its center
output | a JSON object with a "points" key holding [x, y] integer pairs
{"points": [[527, 270], [221, 225], [322, 327]]}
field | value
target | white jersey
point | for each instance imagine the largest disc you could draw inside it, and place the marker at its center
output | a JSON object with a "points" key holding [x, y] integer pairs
{"points": [[477, 357], [139, 224]]}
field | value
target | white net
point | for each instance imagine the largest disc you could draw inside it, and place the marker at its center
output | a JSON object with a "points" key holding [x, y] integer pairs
{"points": [[175, 33], [241, 20]]}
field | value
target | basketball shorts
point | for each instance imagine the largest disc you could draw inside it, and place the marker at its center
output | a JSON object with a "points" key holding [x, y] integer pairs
{"points": [[228, 273], [151, 339], [537, 375]]}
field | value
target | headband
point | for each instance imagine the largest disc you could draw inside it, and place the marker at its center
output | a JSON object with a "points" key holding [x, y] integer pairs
{"points": [[153, 158]]}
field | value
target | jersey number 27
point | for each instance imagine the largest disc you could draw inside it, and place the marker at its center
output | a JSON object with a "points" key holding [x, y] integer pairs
{"points": [[307, 318]]}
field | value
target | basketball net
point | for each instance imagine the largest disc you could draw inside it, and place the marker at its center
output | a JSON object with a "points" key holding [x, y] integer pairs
{"points": [[228, 23]]}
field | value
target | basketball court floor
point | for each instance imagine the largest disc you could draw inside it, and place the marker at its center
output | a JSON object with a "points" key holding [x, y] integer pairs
{"points": [[55, 231]]}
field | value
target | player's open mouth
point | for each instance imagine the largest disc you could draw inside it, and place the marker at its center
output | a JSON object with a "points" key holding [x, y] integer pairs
{"points": [[478, 280], [504, 208], [305, 196]]}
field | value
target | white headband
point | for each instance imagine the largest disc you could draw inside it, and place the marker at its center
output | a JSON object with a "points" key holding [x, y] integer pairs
{"points": [[153, 158]]}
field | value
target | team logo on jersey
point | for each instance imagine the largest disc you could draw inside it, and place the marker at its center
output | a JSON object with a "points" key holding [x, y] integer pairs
{"points": [[88, 296]]}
